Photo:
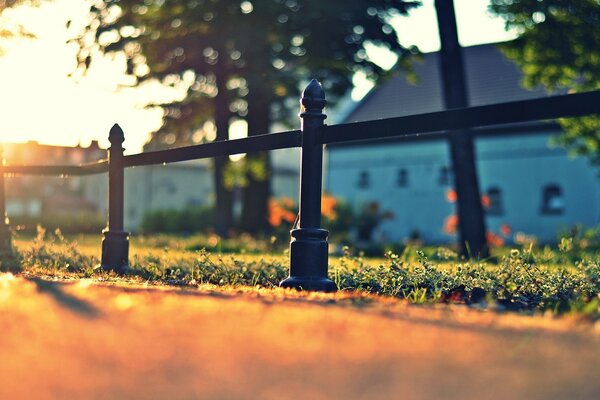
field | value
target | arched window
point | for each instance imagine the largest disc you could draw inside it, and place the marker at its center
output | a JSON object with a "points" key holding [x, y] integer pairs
{"points": [[553, 201], [402, 178], [495, 205], [364, 180]]}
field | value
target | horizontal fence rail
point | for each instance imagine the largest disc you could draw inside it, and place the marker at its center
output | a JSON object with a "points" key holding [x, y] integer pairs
{"points": [[83, 169], [430, 124], [271, 141], [564, 106]]}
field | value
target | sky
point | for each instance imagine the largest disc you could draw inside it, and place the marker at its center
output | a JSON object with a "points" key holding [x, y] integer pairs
{"points": [[40, 102]]}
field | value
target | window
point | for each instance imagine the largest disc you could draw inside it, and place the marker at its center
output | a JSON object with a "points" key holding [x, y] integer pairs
{"points": [[364, 180], [553, 201], [445, 177], [402, 178], [493, 204]]}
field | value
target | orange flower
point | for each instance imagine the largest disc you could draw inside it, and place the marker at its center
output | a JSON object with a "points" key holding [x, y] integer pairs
{"points": [[328, 204], [505, 229], [284, 209], [451, 224], [274, 213], [451, 195], [485, 200], [289, 216], [494, 240], [278, 214], [287, 203]]}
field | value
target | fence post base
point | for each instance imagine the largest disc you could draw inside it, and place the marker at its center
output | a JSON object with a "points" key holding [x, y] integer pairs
{"points": [[308, 261], [5, 240], [115, 251]]}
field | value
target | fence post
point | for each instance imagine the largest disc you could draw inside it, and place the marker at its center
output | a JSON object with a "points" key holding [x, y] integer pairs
{"points": [[5, 234], [115, 245], [308, 246]]}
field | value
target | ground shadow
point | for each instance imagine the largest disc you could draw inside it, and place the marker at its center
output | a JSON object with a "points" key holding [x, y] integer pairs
{"points": [[72, 303], [10, 262]]}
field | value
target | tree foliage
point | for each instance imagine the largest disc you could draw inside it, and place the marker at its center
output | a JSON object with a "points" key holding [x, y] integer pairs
{"points": [[558, 48], [256, 52], [4, 4], [242, 59], [9, 30]]}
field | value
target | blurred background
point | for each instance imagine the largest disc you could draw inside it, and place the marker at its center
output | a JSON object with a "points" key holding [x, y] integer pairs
{"points": [[180, 73]]}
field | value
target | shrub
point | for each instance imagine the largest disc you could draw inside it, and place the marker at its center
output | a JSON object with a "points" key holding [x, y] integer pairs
{"points": [[188, 220], [84, 222]]}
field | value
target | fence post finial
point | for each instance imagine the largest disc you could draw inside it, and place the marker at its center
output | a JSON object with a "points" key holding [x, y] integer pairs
{"points": [[313, 99], [116, 136], [5, 233], [115, 245], [308, 246]]}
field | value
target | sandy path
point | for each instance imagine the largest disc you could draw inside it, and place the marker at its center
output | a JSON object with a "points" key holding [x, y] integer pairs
{"points": [[83, 340]]}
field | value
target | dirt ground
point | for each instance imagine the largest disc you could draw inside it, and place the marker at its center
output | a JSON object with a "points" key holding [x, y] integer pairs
{"points": [[88, 340]]}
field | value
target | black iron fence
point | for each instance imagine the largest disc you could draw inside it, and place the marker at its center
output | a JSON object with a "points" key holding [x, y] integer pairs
{"points": [[308, 246]]}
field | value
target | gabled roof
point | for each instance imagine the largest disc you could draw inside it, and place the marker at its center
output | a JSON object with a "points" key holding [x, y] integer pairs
{"points": [[491, 78]]}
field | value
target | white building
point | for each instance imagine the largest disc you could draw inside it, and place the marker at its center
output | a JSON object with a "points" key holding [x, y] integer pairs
{"points": [[155, 187], [532, 187], [179, 185]]}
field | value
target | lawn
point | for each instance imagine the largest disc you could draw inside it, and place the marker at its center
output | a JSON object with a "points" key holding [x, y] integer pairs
{"points": [[528, 279]]}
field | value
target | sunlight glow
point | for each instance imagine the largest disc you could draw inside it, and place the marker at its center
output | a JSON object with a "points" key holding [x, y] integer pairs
{"points": [[238, 129], [41, 102], [475, 26]]}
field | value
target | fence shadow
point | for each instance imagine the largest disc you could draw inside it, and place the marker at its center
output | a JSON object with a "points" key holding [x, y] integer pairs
{"points": [[55, 290], [9, 262]]}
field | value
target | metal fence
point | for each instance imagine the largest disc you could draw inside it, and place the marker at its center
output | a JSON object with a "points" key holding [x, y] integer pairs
{"points": [[308, 246]]}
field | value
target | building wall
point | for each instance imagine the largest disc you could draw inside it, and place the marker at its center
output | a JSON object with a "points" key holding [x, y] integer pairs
{"points": [[418, 206], [285, 178], [519, 165], [155, 187], [174, 186], [522, 167], [47, 196]]}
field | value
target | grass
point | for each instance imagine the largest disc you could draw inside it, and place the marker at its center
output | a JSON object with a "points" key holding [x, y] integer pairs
{"points": [[528, 279]]}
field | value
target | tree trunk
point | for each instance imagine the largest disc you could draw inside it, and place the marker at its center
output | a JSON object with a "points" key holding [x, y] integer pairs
{"points": [[256, 194], [470, 211], [223, 195]]}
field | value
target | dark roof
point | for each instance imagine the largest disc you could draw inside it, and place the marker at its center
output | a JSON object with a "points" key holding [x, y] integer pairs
{"points": [[491, 78]]}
